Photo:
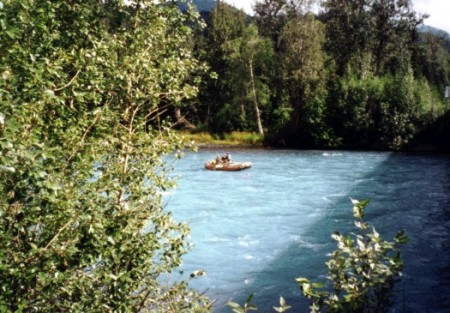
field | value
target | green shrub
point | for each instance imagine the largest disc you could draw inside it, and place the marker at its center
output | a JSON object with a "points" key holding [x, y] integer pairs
{"points": [[362, 271], [382, 112]]}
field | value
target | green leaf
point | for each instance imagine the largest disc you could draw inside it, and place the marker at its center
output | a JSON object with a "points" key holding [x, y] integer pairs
{"points": [[8, 169], [249, 298], [318, 285], [12, 32], [233, 305], [113, 277], [302, 280]]}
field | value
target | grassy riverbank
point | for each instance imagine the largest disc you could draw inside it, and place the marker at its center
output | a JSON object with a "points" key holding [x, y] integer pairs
{"points": [[229, 139]]}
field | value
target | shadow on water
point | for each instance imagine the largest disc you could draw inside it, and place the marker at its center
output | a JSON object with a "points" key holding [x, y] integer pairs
{"points": [[425, 216]]}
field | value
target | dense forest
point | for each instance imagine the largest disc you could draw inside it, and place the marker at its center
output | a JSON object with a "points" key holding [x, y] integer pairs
{"points": [[357, 74]]}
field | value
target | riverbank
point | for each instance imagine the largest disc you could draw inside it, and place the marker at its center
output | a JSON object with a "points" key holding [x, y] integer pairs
{"points": [[229, 140], [433, 139]]}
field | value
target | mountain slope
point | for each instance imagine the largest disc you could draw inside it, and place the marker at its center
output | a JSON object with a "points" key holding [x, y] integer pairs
{"points": [[201, 5]]}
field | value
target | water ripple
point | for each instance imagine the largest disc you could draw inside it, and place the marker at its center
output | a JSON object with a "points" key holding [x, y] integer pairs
{"points": [[255, 231]]}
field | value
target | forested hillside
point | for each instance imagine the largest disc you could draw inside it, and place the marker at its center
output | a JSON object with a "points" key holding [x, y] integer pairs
{"points": [[358, 74]]}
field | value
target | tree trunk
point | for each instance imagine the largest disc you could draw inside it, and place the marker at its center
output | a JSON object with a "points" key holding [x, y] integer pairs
{"points": [[255, 97]]}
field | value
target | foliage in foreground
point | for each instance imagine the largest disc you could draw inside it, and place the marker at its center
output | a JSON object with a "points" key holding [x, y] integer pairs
{"points": [[362, 272], [83, 85]]}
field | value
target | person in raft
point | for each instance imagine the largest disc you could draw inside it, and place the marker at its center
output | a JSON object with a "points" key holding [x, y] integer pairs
{"points": [[226, 158], [222, 159]]}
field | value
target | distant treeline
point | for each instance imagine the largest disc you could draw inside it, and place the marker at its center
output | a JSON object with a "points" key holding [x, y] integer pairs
{"points": [[359, 74]]}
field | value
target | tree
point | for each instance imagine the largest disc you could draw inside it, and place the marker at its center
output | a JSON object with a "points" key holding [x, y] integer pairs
{"points": [[347, 32], [83, 91], [370, 36], [394, 31], [226, 24], [297, 39], [251, 65], [303, 63], [270, 18], [372, 44], [432, 58]]}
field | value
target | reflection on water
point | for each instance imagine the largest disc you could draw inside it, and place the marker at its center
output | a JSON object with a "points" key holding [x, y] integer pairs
{"points": [[256, 230]]}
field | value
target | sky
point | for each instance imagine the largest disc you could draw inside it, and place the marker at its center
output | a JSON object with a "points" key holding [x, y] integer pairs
{"points": [[439, 11]]}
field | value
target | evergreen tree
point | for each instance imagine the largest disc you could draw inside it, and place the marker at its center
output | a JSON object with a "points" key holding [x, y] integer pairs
{"points": [[432, 58], [303, 62], [226, 24]]}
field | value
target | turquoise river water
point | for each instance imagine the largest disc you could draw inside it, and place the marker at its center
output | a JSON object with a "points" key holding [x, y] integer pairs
{"points": [[256, 230]]}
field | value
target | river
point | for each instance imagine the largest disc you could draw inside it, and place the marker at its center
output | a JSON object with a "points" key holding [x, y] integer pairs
{"points": [[256, 230]]}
